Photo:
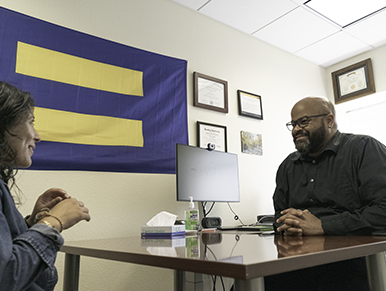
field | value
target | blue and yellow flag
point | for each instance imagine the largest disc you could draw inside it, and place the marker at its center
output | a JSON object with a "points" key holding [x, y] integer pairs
{"points": [[100, 105]]}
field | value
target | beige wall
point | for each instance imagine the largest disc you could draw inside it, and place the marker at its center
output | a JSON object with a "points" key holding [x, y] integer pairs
{"points": [[120, 203]]}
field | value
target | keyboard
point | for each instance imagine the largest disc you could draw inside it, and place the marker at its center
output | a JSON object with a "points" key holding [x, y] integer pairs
{"points": [[254, 227]]}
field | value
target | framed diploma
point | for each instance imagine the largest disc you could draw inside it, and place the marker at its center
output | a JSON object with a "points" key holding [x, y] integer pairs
{"points": [[250, 104], [210, 93], [212, 133], [353, 81]]}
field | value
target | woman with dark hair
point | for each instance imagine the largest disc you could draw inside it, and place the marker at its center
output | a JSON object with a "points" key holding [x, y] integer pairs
{"points": [[28, 247]]}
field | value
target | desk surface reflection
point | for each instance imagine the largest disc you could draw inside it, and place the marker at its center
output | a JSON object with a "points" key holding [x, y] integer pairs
{"points": [[237, 255]]}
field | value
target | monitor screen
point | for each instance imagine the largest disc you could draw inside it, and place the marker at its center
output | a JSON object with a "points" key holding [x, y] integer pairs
{"points": [[206, 175]]}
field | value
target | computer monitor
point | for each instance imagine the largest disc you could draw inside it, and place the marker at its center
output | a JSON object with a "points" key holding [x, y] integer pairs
{"points": [[206, 175]]}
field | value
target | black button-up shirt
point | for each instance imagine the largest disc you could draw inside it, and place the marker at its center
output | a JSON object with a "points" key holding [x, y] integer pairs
{"points": [[345, 186]]}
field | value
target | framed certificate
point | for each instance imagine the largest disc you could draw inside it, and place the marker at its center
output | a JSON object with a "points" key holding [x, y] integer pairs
{"points": [[250, 104], [210, 93], [212, 133], [353, 81]]}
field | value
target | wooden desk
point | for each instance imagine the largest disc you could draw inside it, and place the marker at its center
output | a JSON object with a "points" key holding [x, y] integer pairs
{"points": [[244, 256]]}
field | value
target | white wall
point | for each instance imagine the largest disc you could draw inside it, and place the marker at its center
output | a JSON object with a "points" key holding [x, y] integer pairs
{"points": [[120, 203]]}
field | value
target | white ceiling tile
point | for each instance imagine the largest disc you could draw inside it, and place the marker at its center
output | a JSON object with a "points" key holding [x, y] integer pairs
{"points": [[333, 49], [296, 30], [292, 26], [344, 12], [299, 1], [371, 30], [247, 15], [192, 4]]}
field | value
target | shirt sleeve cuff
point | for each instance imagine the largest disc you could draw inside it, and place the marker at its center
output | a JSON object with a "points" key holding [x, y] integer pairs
{"points": [[49, 232], [332, 225], [45, 240]]}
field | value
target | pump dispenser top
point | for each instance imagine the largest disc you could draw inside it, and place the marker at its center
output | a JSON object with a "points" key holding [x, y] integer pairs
{"points": [[191, 203]]}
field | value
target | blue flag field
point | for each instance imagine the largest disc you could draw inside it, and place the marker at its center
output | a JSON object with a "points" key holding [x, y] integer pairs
{"points": [[100, 105]]}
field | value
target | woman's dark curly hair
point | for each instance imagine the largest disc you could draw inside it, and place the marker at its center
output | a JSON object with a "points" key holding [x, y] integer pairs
{"points": [[15, 105]]}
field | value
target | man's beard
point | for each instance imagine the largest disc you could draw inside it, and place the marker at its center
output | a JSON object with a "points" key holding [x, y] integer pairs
{"points": [[311, 144]]}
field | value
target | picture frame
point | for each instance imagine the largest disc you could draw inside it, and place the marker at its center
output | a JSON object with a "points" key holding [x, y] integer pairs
{"points": [[250, 104], [251, 143], [353, 81], [212, 133], [210, 93]]}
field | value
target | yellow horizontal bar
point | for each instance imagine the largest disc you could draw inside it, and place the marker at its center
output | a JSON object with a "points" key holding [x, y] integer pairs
{"points": [[70, 127], [56, 66]]}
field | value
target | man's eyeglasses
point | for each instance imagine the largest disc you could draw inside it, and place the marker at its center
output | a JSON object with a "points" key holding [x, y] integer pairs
{"points": [[302, 122]]}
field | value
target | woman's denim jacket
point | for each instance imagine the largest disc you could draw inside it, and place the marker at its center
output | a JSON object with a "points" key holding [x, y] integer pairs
{"points": [[27, 255]]}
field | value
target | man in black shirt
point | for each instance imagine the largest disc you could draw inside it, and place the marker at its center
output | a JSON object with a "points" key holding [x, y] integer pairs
{"points": [[334, 184]]}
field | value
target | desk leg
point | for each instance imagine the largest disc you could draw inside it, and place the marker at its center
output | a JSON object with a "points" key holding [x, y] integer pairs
{"points": [[376, 271], [71, 273], [179, 280], [188, 281], [249, 285]]}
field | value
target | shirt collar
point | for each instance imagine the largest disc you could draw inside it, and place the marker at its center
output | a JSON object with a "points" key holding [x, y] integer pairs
{"points": [[332, 145]]}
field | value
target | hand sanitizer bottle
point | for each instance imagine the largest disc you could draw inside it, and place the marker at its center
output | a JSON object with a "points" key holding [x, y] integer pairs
{"points": [[191, 216]]}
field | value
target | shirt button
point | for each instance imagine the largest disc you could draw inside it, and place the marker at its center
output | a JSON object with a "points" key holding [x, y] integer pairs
{"points": [[313, 161], [312, 181], [312, 200]]}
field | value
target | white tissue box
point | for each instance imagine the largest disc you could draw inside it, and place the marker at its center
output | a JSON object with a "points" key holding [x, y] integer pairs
{"points": [[162, 231]]}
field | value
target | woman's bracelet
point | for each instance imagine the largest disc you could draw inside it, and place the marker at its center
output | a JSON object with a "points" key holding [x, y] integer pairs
{"points": [[46, 212], [41, 214], [61, 224]]}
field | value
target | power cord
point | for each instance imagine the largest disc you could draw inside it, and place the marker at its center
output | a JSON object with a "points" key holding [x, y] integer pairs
{"points": [[236, 217], [204, 208], [214, 278]]}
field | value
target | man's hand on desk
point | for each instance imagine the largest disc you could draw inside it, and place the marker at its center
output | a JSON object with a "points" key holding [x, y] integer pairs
{"points": [[299, 222]]}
